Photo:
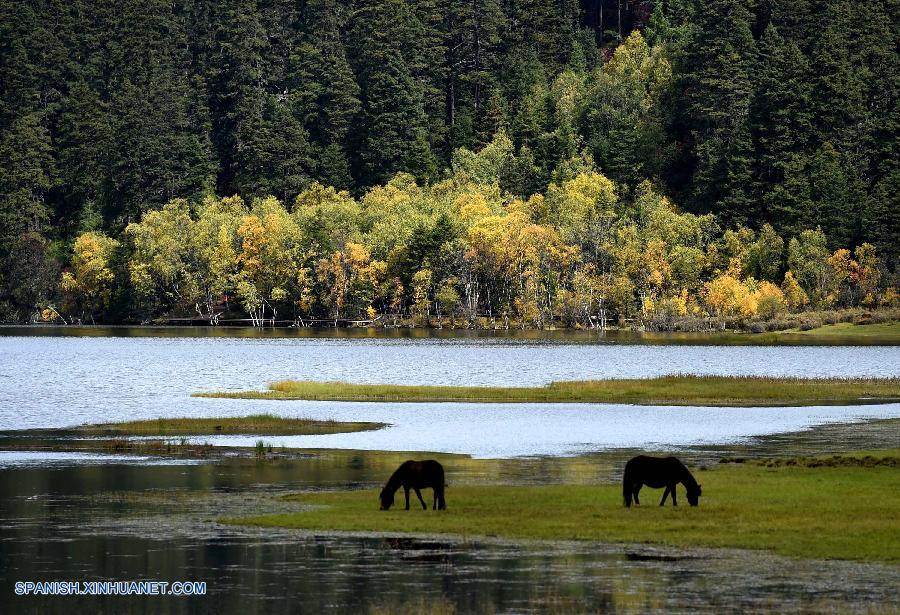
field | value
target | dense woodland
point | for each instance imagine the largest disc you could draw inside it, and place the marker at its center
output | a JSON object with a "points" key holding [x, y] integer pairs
{"points": [[533, 161]]}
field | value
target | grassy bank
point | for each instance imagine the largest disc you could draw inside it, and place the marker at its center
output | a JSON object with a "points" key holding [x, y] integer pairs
{"points": [[667, 390], [787, 333], [257, 425], [886, 332], [840, 511]]}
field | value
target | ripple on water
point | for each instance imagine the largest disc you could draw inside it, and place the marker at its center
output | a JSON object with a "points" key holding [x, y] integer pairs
{"points": [[23, 459]]}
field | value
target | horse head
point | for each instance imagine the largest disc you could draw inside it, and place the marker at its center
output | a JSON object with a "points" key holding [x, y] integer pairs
{"points": [[693, 495], [387, 498]]}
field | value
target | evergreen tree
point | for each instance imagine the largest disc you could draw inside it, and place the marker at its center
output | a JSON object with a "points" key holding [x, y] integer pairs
{"points": [[237, 91], [323, 90], [83, 142], [715, 74], [782, 127], [837, 102], [393, 132], [279, 160], [26, 176], [474, 30], [831, 193]]}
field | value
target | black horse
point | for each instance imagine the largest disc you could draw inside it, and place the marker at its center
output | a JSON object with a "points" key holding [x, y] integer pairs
{"points": [[658, 472], [416, 475]]}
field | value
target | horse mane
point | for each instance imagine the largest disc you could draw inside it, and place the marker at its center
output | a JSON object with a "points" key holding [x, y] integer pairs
{"points": [[687, 478], [393, 482]]}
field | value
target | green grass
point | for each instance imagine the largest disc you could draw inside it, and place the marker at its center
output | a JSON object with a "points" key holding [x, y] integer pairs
{"points": [[839, 512], [258, 424], [842, 330], [667, 390]]}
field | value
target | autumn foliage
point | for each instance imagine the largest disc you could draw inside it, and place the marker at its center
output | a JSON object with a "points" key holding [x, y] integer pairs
{"points": [[461, 249]]}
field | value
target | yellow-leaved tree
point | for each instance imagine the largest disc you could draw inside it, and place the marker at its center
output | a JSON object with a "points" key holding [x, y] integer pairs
{"points": [[729, 298], [270, 245], [88, 286]]}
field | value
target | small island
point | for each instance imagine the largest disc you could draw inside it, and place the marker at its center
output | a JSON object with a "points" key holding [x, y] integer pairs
{"points": [[257, 425], [676, 390]]}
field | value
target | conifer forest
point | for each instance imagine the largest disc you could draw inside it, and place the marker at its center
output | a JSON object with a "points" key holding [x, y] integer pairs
{"points": [[535, 163]]}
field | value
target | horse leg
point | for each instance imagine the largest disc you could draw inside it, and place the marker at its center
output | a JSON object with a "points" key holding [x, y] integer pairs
{"points": [[406, 492], [674, 501], [419, 494], [665, 495], [637, 491]]}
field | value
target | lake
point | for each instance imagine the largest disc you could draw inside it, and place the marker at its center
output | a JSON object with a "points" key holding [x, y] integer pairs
{"points": [[86, 517], [64, 381]]}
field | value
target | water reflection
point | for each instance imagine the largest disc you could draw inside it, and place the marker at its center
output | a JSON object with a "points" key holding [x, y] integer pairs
{"points": [[129, 522], [480, 336], [24, 458]]}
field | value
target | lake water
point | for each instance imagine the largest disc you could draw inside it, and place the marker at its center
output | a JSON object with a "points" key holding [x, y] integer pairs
{"points": [[125, 522], [48, 382], [70, 516]]}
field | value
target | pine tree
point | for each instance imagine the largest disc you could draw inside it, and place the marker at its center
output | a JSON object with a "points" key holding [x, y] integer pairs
{"points": [[881, 219], [83, 142], [715, 76], [795, 21], [279, 160], [831, 192], [237, 91], [323, 91], [429, 69], [474, 29], [782, 127], [393, 106], [155, 153], [20, 24], [838, 102], [26, 176], [546, 26]]}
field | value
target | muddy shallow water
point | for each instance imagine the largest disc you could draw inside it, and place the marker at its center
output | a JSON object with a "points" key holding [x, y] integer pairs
{"points": [[113, 521]]}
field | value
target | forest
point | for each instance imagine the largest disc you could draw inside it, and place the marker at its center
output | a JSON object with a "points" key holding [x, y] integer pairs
{"points": [[533, 162]]}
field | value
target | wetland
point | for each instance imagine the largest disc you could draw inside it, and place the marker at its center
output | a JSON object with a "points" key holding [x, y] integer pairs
{"points": [[259, 531]]}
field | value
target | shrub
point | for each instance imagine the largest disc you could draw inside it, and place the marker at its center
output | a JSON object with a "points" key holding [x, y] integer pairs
{"points": [[810, 322]]}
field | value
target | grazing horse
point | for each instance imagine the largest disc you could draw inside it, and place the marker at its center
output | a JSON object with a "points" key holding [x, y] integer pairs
{"points": [[416, 475], [658, 472]]}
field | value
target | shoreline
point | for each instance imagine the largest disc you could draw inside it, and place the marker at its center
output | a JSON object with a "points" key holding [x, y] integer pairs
{"points": [[876, 334]]}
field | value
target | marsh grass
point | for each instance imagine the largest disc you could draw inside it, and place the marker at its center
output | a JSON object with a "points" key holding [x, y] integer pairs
{"points": [[181, 448], [666, 390], [258, 424], [840, 512]]}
